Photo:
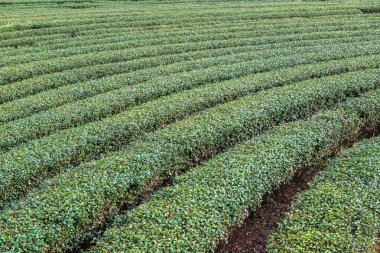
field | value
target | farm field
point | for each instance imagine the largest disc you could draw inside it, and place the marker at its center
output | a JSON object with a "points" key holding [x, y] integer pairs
{"points": [[189, 126]]}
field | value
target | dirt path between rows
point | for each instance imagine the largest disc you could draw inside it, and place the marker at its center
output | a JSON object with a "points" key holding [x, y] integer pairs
{"points": [[252, 235], [377, 246]]}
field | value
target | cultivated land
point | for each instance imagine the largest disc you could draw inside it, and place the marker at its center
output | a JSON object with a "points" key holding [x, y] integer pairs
{"points": [[162, 126]]}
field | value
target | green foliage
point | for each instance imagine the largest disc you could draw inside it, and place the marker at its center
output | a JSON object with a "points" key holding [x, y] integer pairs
{"points": [[109, 103], [82, 40], [170, 64], [111, 39], [101, 101], [77, 68], [196, 212], [340, 213], [71, 204]]}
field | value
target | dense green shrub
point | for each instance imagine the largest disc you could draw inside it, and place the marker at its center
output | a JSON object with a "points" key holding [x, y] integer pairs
{"points": [[170, 64], [104, 102], [106, 63], [340, 213], [197, 211], [86, 38], [112, 41], [201, 17], [62, 212], [98, 107]]}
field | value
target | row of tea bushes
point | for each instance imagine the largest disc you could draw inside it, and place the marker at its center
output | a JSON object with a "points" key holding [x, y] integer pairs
{"points": [[120, 61], [197, 212], [340, 213], [166, 65], [62, 211], [95, 108], [118, 41]]}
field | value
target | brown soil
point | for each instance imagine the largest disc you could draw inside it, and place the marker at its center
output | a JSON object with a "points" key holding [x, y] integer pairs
{"points": [[377, 246], [252, 235]]}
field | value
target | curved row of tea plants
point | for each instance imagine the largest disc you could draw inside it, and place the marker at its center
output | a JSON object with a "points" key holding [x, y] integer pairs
{"points": [[49, 40], [169, 8], [122, 52], [222, 16], [73, 30], [114, 53], [103, 102], [197, 212], [41, 83], [182, 62], [31, 86], [86, 38], [71, 115], [179, 17], [119, 41], [64, 210], [340, 213]]}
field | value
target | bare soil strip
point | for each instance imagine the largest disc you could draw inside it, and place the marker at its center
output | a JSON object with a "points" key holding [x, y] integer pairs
{"points": [[252, 235]]}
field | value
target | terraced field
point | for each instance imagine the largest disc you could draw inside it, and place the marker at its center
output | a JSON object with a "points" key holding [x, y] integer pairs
{"points": [[163, 126]]}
